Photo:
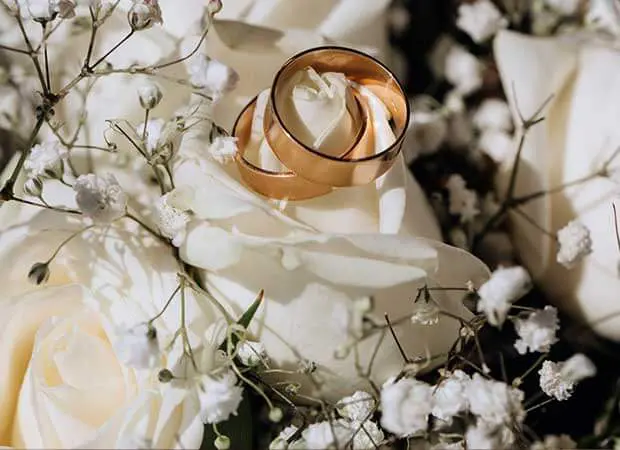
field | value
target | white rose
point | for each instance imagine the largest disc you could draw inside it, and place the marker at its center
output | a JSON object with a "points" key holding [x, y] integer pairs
{"points": [[579, 134], [315, 257], [57, 340]]}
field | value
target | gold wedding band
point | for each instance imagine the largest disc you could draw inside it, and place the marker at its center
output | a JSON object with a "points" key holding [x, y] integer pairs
{"points": [[278, 185], [359, 167]]}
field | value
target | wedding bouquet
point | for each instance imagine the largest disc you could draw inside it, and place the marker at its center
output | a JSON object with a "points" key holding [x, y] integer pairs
{"points": [[210, 237]]}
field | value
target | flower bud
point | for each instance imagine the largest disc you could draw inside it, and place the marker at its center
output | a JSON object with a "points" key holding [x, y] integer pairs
{"points": [[150, 95], [39, 273], [222, 442], [143, 14], [165, 376], [275, 415], [214, 6], [33, 187]]}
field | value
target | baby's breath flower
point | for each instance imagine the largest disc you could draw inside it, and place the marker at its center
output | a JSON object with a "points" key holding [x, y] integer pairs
{"points": [[33, 187], [505, 286], [425, 313], [171, 221], [449, 397], [39, 273], [144, 14], [252, 353], [493, 114], [326, 434], [406, 405], [485, 436], [463, 70], [480, 20], [138, 347], [223, 149], [210, 75], [494, 402], [100, 197], [575, 244], [358, 406], [553, 442], [463, 201], [150, 95], [558, 379], [219, 397], [46, 160], [153, 133], [497, 144], [537, 333], [46, 10]]}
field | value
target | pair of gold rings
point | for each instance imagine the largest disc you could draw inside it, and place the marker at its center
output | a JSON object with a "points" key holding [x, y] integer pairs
{"points": [[312, 173]]}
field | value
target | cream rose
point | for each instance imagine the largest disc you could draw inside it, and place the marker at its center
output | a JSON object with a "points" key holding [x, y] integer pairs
{"points": [[57, 341], [579, 134]]}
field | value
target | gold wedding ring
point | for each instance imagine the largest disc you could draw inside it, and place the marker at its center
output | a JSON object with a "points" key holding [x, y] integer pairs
{"points": [[312, 173], [278, 185], [312, 165]]}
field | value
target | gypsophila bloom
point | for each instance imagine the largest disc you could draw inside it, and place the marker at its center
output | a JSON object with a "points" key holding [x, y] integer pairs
{"points": [[251, 353], [171, 221], [210, 75], [46, 160], [428, 129], [46, 10], [559, 379], [463, 201], [497, 144], [219, 397], [138, 347], [493, 114], [553, 442], [485, 436], [358, 406], [100, 197], [149, 95], [537, 333], [281, 442], [144, 14], [604, 15], [223, 149], [494, 402], [425, 313], [449, 397], [505, 286], [367, 435], [575, 244], [481, 20], [564, 7], [323, 435], [406, 406], [552, 383], [214, 6], [463, 70], [33, 186]]}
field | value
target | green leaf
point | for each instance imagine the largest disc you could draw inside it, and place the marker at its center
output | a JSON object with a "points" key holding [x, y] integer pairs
{"points": [[247, 316], [238, 428]]}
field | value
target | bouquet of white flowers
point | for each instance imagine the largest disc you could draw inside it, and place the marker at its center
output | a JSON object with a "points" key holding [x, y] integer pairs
{"points": [[210, 239]]}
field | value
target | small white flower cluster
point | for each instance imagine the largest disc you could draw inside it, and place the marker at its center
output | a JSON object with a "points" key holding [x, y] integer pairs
{"points": [[463, 201], [505, 286], [211, 76], [480, 20], [144, 14], [45, 160], [463, 70], [223, 149], [100, 197], [354, 429], [537, 333], [46, 10], [407, 405], [220, 397], [558, 379], [173, 215], [494, 122], [575, 244]]}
